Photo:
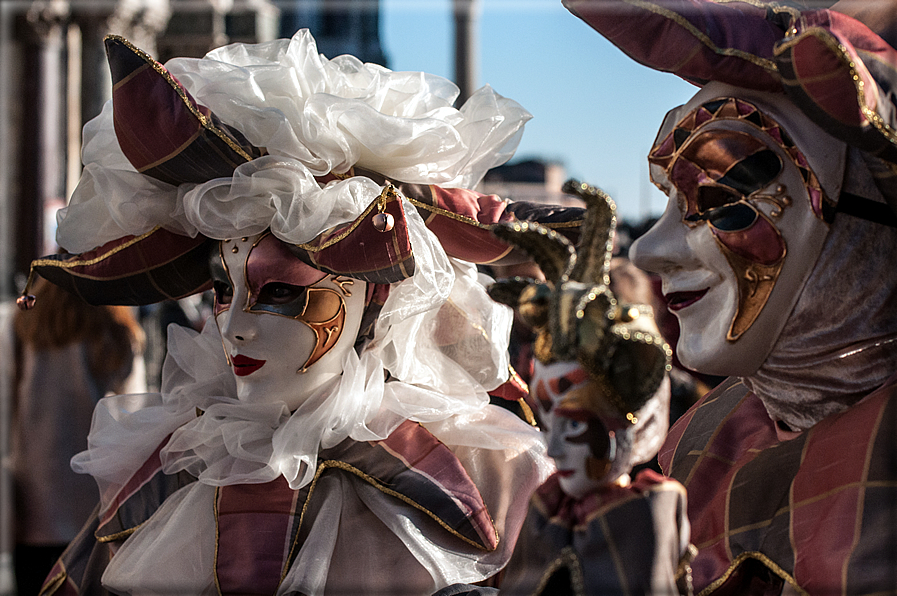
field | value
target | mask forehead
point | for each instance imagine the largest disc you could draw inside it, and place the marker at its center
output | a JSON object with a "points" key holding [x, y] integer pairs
{"points": [[551, 382], [270, 261]]}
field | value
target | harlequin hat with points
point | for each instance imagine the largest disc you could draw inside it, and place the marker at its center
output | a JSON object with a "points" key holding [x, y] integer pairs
{"points": [[837, 66], [575, 314], [330, 155]]}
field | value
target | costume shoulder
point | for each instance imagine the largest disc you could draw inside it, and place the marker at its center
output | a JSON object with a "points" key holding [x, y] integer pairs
{"points": [[79, 569], [815, 511]]}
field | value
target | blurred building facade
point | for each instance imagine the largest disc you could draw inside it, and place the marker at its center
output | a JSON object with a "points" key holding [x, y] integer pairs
{"points": [[533, 180]]}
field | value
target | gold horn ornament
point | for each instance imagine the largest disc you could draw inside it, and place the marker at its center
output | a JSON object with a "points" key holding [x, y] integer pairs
{"points": [[574, 313]]}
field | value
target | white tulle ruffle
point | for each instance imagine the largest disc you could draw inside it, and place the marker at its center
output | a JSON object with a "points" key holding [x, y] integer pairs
{"points": [[313, 116], [433, 377]]}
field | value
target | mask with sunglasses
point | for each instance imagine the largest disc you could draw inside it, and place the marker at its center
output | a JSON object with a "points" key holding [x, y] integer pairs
{"points": [[740, 187]]}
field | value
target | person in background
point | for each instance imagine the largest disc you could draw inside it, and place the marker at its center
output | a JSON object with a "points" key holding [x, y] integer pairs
{"points": [[774, 253], [69, 355], [601, 384]]}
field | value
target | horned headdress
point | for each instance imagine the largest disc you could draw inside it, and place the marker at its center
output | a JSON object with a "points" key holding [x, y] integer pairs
{"points": [[575, 314]]}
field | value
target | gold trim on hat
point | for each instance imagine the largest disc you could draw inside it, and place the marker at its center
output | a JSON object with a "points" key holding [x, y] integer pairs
{"points": [[203, 119], [763, 63]]}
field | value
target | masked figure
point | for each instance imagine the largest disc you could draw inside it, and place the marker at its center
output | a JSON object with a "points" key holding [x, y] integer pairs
{"points": [[603, 393], [772, 255], [329, 431]]}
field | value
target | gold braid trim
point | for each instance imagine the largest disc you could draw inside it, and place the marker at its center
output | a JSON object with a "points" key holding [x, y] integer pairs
{"points": [[758, 557], [838, 49], [389, 193], [119, 535], [54, 583], [95, 260], [795, 13], [203, 119], [473, 222], [763, 63]]}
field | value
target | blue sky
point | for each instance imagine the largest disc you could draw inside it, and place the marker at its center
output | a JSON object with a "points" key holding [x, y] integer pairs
{"points": [[595, 110]]}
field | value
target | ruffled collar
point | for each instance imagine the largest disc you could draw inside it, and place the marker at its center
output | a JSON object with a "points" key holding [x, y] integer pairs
{"points": [[233, 442]]}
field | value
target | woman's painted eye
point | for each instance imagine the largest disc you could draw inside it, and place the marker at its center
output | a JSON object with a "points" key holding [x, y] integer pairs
{"points": [[280, 293], [224, 293]]}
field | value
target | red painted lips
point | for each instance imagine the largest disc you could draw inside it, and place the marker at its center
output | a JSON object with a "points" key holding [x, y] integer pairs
{"points": [[244, 365], [679, 300]]}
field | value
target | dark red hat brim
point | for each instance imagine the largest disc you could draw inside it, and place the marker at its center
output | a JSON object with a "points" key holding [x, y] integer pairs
{"points": [[833, 67]]}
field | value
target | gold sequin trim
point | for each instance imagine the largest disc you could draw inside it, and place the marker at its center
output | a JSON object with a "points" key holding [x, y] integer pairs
{"points": [[206, 123], [826, 38], [759, 557], [567, 559], [763, 63]]}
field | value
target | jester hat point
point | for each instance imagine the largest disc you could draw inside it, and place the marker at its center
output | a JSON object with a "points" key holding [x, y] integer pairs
{"points": [[183, 175], [837, 66]]}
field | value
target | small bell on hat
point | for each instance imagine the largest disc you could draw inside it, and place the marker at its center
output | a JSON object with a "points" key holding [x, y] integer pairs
{"points": [[383, 221], [26, 301]]}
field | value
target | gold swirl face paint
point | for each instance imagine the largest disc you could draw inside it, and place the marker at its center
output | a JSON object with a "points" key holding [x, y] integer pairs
{"points": [[285, 325]]}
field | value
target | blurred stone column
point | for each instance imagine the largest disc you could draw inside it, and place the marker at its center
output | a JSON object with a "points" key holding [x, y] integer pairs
{"points": [[138, 21], [32, 116], [42, 133], [466, 13]]}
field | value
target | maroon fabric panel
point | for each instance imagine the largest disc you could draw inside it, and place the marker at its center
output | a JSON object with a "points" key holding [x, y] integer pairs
{"points": [[254, 522], [724, 430], [418, 449], [698, 40], [819, 65], [462, 219], [132, 270], [828, 494], [160, 127], [146, 102], [359, 250]]}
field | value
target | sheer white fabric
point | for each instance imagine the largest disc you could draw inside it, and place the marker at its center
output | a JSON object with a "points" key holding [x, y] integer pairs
{"points": [[313, 116], [234, 442]]}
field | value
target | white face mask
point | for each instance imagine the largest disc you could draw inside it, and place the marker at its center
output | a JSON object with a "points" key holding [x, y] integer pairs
{"points": [[285, 326], [582, 441], [742, 230]]}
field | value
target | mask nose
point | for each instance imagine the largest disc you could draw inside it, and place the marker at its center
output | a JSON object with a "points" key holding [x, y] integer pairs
{"points": [[237, 326], [663, 247], [556, 448]]}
